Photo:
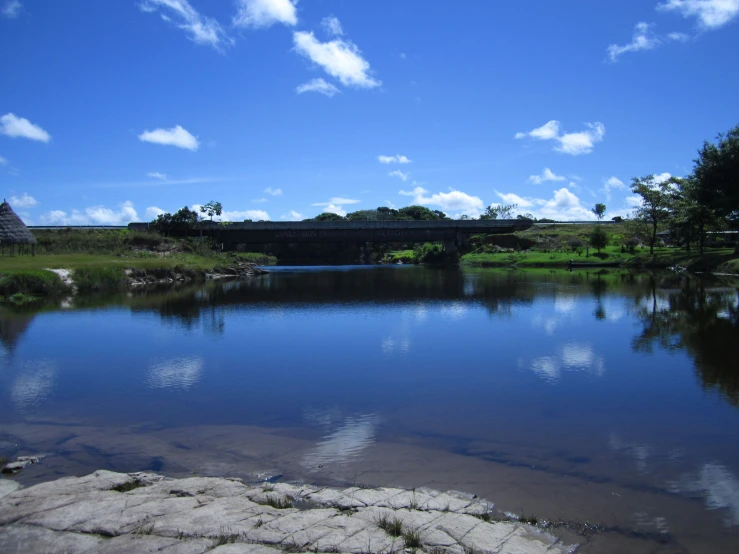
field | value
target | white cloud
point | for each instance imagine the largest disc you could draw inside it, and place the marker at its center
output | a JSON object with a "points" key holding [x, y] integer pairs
{"points": [[338, 210], [95, 215], [11, 9], [662, 177], [512, 198], [25, 200], [259, 200], [339, 58], [292, 216], [318, 85], [634, 201], [176, 136], [399, 174], [547, 131], [152, 212], [678, 37], [332, 25], [546, 175], [454, 200], [711, 14], [14, 126], [642, 39], [237, 215], [3, 161], [582, 142], [338, 200], [157, 175], [201, 30], [568, 143], [397, 159], [614, 183], [273, 192], [265, 13]]}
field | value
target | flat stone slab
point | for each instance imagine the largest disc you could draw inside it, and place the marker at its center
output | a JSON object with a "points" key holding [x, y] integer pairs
{"points": [[145, 512]]}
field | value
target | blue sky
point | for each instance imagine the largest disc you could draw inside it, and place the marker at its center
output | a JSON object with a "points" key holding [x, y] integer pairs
{"points": [[113, 111]]}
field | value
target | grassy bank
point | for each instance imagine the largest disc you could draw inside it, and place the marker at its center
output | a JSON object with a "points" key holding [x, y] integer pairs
{"points": [[99, 260], [555, 245]]}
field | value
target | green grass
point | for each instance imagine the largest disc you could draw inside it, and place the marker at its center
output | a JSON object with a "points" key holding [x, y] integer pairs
{"points": [[22, 287], [412, 539], [95, 278], [392, 526], [279, 502]]}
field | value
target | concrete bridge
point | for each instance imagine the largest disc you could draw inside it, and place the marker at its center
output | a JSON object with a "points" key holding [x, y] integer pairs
{"points": [[449, 231]]}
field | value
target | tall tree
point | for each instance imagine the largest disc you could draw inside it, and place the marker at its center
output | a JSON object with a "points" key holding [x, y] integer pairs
{"points": [[656, 204], [691, 219], [599, 211], [211, 209], [499, 211], [717, 175]]}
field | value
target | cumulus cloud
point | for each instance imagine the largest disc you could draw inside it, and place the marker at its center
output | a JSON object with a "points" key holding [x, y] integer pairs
{"points": [[94, 215], [176, 136], [237, 215], [563, 206], [152, 212], [614, 183], [3, 161], [258, 14], [19, 127], [332, 25], [25, 200], [337, 200], [397, 159], [574, 144], [711, 14], [546, 175], [273, 192], [399, 174], [642, 39], [334, 209], [547, 131], [452, 201], [318, 85], [157, 175], [582, 142], [200, 29], [339, 58], [662, 177], [11, 9], [292, 216]]}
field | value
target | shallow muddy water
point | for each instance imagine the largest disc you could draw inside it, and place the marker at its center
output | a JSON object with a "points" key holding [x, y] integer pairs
{"points": [[607, 397]]}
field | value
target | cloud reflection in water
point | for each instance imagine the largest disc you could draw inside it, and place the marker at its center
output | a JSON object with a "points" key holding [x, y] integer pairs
{"points": [[344, 444], [718, 486], [34, 384], [570, 357], [175, 373]]}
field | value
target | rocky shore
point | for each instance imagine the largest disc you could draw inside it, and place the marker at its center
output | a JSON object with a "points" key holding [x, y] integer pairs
{"points": [[143, 277], [145, 512]]}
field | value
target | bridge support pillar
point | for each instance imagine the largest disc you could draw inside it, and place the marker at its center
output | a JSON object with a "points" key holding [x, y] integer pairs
{"points": [[450, 246]]}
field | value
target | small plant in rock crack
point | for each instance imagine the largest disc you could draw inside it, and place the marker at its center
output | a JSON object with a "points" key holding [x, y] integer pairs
{"points": [[144, 529], [281, 503], [226, 537], [393, 526], [412, 539], [259, 522]]}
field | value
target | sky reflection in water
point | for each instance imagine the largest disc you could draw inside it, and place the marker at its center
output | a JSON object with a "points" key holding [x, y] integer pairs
{"points": [[633, 368]]}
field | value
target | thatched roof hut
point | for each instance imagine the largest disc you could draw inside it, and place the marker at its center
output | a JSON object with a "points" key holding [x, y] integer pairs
{"points": [[12, 228]]}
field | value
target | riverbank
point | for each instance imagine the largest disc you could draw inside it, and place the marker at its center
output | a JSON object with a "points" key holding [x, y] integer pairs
{"points": [[29, 279], [146, 512], [719, 260]]}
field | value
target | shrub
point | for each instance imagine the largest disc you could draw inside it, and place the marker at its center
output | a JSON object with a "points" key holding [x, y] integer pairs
{"points": [[33, 283], [598, 238], [93, 279], [575, 243]]}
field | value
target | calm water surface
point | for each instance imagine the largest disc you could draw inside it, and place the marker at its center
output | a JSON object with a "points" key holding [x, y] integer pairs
{"points": [[608, 397]]}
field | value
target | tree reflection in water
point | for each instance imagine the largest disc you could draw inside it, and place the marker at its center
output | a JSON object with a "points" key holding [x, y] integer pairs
{"points": [[700, 316]]}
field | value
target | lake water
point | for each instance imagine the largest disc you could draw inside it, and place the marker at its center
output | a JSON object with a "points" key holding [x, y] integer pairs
{"points": [[606, 397]]}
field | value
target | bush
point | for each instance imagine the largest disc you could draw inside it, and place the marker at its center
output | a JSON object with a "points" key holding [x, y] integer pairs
{"points": [[575, 243], [93, 279], [631, 244], [598, 238], [33, 283]]}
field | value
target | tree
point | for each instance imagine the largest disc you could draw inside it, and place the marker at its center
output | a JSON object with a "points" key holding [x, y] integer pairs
{"points": [[420, 213], [598, 238], [211, 209], [599, 211], [691, 219], [327, 216], [717, 174], [656, 204], [499, 211]]}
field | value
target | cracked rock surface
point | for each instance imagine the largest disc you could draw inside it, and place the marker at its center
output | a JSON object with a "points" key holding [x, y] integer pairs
{"points": [[144, 512]]}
